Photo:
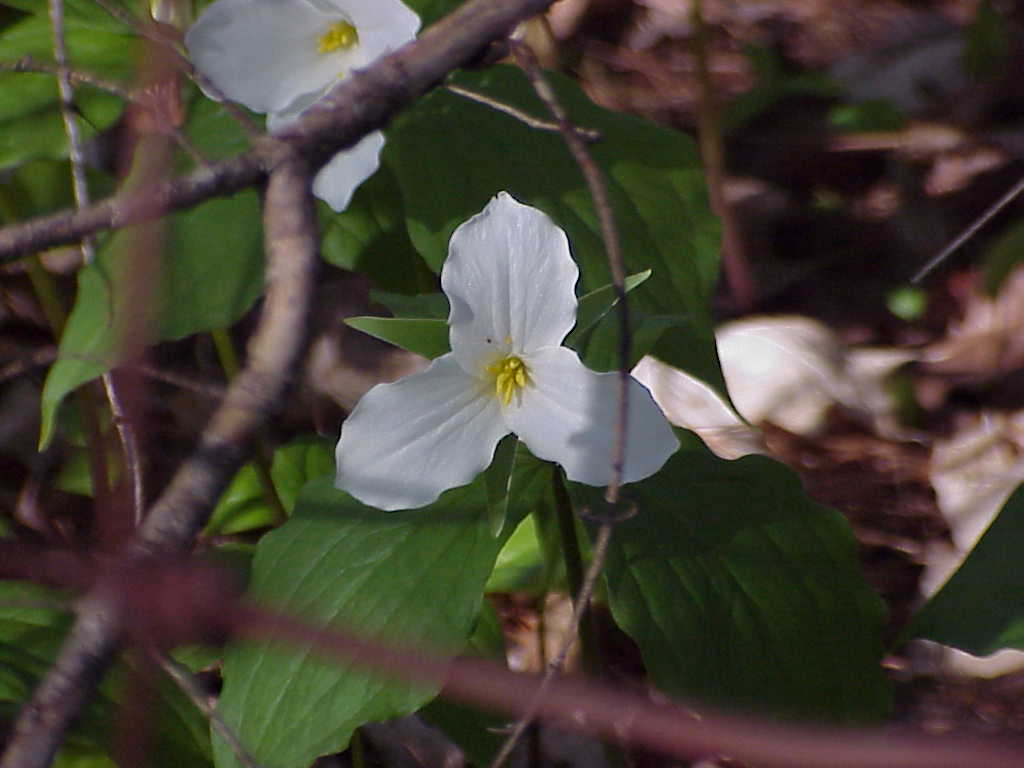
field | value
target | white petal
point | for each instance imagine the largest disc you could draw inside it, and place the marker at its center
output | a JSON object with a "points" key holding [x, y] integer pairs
{"points": [[383, 26], [407, 442], [689, 402], [510, 280], [568, 413], [339, 179], [263, 53]]}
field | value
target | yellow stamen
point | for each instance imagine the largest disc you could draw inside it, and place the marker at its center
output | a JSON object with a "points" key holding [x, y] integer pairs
{"points": [[340, 35], [510, 375]]}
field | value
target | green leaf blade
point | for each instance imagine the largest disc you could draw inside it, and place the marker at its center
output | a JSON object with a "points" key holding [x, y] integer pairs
{"points": [[413, 579], [742, 592], [980, 609], [422, 336]]}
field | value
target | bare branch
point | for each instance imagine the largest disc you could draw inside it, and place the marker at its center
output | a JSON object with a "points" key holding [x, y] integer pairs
{"points": [[587, 134], [360, 103], [632, 719], [274, 354]]}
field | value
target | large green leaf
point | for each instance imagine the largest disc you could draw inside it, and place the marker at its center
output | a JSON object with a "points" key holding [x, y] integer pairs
{"points": [[981, 608], [212, 273], [244, 507], [30, 121], [742, 592], [414, 579], [420, 335], [656, 187]]}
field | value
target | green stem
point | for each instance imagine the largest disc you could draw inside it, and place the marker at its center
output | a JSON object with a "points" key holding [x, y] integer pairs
{"points": [[357, 749], [575, 572], [264, 458]]}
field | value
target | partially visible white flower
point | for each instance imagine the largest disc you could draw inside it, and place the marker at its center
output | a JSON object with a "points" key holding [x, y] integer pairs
{"points": [[281, 56], [510, 281]]}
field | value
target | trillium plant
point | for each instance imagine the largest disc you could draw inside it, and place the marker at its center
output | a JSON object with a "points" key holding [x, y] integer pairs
{"points": [[510, 280], [471, 477], [280, 57]]}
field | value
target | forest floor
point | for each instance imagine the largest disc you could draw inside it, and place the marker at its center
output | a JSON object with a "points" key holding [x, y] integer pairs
{"points": [[833, 225]]}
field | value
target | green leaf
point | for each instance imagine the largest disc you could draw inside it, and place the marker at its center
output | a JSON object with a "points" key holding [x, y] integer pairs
{"points": [[430, 11], [980, 609], [428, 336], [30, 123], [369, 237], [344, 565], [212, 130], [654, 179], [212, 273], [31, 632], [414, 579], [425, 305], [424, 337], [244, 506], [597, 304], [1002, 258], [742, 592]]}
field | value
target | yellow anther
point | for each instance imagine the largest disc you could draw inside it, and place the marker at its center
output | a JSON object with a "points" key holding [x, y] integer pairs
{"points": [[339, 35], [510, 375]]}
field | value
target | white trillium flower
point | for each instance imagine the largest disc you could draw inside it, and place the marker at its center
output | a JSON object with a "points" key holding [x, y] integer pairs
{"points": [[281, 56], [510, 281]]}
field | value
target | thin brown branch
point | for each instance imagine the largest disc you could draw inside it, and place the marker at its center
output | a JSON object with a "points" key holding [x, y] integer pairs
{"points": [[363, 102], [609, 236], [191, 687], [587, 134], [631, 719], [712, 153], [67, 112], [975, 226], [76, 77], [581, 604], [204, 600], [143, 98]]}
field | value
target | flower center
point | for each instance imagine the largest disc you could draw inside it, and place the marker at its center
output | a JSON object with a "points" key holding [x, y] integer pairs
{"points": [[510, 375], [339, 35]]}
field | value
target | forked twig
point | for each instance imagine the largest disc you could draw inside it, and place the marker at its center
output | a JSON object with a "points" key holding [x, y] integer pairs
{"points": [[587, 134]]}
